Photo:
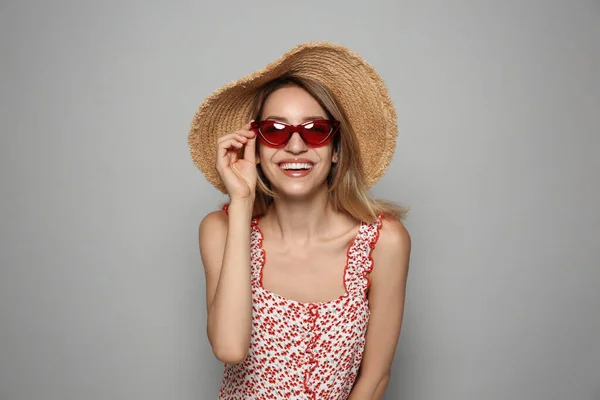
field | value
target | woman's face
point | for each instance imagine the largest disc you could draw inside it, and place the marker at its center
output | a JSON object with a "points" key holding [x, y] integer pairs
{"points": [[295, 170]]}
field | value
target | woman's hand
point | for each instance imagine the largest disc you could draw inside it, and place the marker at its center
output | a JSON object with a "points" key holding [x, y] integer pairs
{"points": [[238, 174]]}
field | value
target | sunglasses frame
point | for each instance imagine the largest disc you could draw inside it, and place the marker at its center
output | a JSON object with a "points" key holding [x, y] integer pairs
{"points": [[255, 126]]}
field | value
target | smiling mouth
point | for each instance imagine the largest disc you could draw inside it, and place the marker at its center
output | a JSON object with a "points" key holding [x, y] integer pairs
{"points": [[296, 166]]}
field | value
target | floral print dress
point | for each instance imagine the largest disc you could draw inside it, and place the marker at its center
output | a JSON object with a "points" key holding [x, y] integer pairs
{"points": [[304, 351]]}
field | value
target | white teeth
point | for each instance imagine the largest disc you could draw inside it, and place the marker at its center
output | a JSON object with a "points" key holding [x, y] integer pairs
{"points": [[287, 166]]}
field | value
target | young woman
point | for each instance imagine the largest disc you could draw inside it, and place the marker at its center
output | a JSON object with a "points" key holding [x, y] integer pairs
{"points": [[305, 270]]}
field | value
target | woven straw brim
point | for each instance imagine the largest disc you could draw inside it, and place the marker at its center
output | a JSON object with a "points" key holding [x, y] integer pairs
{"points": [[357, 87]]}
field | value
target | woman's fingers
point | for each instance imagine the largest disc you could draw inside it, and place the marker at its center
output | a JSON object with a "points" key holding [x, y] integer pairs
{"points": [[230, 144], [250, 150], [232, 141], [241, 133], [238, 175], [237, 136], [235, 140]]}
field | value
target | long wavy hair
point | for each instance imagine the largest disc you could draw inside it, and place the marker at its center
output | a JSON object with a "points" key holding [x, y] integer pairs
{"points": [[348, 191]]}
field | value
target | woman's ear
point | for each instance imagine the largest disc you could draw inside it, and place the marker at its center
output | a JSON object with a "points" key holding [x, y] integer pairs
{"points": [[334, 157]]}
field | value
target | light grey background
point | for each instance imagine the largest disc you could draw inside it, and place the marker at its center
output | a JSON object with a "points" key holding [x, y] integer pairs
{"points": [[101, 285]]}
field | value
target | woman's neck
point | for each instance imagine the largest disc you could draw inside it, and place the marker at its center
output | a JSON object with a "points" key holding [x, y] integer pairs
{"points": [[301, 220]]}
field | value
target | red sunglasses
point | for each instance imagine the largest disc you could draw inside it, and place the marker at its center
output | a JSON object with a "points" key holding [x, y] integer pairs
{"points": [[277, 134]]}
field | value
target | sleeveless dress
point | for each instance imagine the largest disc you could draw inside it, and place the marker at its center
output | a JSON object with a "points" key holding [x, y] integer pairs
{"points": [[305, 351]]}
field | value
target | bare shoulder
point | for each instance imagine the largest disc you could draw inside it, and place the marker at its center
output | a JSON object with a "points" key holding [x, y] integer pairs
{"points": [[215, 221], [392, 252], [212, 233], [393, 236]]}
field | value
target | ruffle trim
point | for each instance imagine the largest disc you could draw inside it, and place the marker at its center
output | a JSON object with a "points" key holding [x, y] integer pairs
{"points": [[372, 243], [360, 256]]}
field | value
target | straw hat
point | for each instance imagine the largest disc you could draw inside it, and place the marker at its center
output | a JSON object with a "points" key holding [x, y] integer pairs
{"points": [[357, 87]]}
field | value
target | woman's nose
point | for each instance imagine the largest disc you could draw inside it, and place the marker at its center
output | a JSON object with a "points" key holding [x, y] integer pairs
{"points": [[296, 145]]}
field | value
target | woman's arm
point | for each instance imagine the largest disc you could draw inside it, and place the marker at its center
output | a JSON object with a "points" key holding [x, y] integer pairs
{"points": [[386, 301], [225, 251]]}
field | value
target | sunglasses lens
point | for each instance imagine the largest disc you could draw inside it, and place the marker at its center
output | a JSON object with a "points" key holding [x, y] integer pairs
{"points": [[316, 132], [274, 133]]}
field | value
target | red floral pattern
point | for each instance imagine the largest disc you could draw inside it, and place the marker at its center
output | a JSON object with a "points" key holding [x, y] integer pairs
{"points": [[300, 350]]}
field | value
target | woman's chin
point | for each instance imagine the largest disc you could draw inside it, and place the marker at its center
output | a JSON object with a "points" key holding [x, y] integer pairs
{"points": [[299, 190]]}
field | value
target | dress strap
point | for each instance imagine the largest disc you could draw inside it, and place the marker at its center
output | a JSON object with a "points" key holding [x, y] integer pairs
{"points": [[257, 254], [360, 262]]}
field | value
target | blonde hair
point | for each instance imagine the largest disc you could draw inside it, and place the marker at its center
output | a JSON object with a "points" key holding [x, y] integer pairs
{"points": [[347, 188]]}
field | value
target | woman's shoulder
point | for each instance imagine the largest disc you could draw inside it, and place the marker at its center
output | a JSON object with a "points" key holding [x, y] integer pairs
{"points": [[214, 222], [394, 240], [393, 232]]}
